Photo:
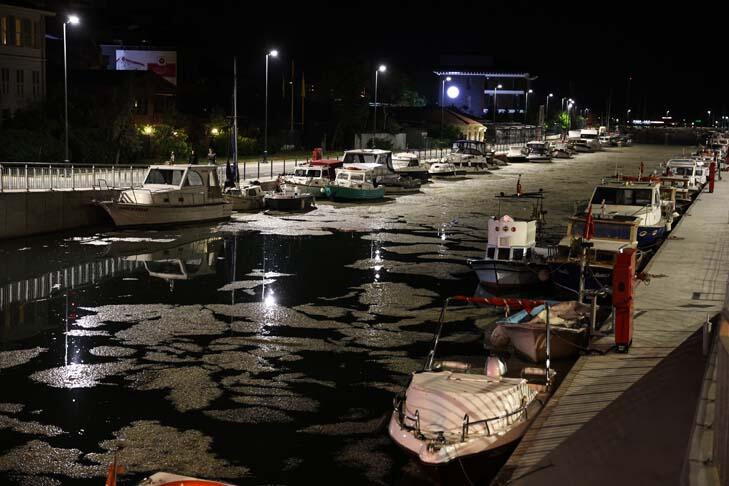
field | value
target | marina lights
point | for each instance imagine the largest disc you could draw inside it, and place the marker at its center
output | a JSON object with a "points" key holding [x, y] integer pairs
{"points": [[148, 129], [382, 68], [73, 20], [273, 53], [215, 131], [453, 92]]}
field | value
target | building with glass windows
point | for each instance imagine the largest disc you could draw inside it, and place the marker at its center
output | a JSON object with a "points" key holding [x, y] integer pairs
{"points": [[22, 57]]}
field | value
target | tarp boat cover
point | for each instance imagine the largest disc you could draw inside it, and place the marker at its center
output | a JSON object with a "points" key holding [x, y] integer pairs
{"points": [[442, 400]]}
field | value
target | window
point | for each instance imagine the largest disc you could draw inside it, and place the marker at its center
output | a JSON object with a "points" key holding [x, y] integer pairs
{"points": [[3, 31], [26, 33], [20, 79], [357, 177], [342, 176], [622, 197], [518, 253], [212, 179], [490, 252], [36, 84], [503, 254], [300, 173], [164, 176], [4, 81], [194, 179], [313, 173], [18, 41]]}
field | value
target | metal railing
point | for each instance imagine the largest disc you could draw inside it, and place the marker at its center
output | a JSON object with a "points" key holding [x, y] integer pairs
{"points": [[39, 176]]}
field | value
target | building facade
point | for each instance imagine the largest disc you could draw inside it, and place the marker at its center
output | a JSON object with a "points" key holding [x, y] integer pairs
{"points": [[22, 58]]}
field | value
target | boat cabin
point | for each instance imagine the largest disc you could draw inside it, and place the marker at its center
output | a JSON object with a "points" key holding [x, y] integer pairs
{"points": [[511, 239], [327, 166], [472, 147], [311, 171], [688, 169], [354, 177], [176, 185], [611, 235], [368, 156], [641, 199]]}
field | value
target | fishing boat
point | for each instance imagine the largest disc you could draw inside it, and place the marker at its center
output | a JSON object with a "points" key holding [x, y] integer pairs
{"points": [[640, 199], [453, 410], [288, 201], [445, 170], [378, 163], [408, 164], [525, 330], [539, 151], [472, 156], [245, 198], [171, 194], [311, 178], [688, 168], [585, 257], [512, 258], [517, 153], [354, 185]]}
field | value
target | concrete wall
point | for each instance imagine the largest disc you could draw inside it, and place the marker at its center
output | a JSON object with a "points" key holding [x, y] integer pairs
{"points": [[33, 213]]}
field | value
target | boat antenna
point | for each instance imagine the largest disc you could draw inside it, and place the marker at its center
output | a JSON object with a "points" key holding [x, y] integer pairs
{"points": [[518, 185], [235, 120], [549, 344]]}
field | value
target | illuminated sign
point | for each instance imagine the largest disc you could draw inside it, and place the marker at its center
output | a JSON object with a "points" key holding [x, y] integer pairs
{"points": [[163, 63]]}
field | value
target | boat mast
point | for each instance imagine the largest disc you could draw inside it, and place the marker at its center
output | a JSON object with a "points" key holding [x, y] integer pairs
{"points": [[235, 118]]}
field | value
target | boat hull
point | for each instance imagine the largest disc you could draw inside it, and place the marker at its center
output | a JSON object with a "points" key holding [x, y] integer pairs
{"points": [[508, 274], [130, 215], [354, 194], [530, 341], [302, 202], [316, 191], [567, 275], [650, 236], [245, 203]]}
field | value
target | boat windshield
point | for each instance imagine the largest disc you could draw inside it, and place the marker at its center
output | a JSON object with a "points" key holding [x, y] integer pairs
{"points": [[169, 177], [622, 196], [588, 136], [604, 229], [357, 177], [300, 173], [682, 171], [360, 158], [313, 173]]}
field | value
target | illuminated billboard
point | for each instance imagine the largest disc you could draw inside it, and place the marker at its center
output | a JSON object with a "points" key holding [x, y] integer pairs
{"points": [[163, 63]]}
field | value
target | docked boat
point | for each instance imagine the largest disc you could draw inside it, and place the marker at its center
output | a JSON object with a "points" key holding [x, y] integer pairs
{"points": [[592, 244], [512, 258], [378, 163], [311, 178], [169, 479], [590, 137], [287, 201], [408, 164], [517, 153], [445, 170], [472, 156], [562, 150], [354, 185], [245, 198], [171, 194], [689, 169], [526, 331], [580, 144], [539, 151], [636, 199], [452, 410]]}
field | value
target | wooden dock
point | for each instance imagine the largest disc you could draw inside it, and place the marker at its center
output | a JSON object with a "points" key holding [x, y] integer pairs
{"points": [[689, 282]]}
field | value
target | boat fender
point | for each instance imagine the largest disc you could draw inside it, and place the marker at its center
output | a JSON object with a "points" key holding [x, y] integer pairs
{"points": [[495, 367]]}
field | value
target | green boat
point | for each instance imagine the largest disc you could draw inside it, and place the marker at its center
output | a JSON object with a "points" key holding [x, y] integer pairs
{"points": [[354, 185]]}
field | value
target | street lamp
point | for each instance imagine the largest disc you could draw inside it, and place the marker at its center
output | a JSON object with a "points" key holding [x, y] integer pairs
{"points": [[495, 89], [627, 118], [273, 53], [526, 104], [379, 70], [442, 103], [73, 20]]}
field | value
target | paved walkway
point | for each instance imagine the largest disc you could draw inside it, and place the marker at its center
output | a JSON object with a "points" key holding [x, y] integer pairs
{"points": [[690, 271]]}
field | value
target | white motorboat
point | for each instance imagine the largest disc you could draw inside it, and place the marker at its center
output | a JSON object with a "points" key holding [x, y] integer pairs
{"points": [[311, 178], [689, 169], [379, 163], [408, 164], [590, 137], [562, 150], [245, 198], [452, 410], [444, 170], [472, 156], [171, 194], [539, 151], [517, 153]]}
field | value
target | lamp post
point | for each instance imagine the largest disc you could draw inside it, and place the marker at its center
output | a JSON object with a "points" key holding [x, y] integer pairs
{"points": [[546, 115], [442, 103], [627, 118], [526, 104], [379, 70], [561, 103], [498, 87], [73, 20], [273, 53], [708, 112]]}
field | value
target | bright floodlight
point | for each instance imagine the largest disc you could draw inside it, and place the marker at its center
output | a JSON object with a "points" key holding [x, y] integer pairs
{"points": [[73, 19], [448, 78], [531, 91], [551, 95], [273, 53], [453, 92], [382, 68], [499, 86]]}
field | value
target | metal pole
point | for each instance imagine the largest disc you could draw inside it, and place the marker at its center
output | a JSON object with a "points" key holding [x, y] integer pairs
{"points": [[374, 121], [235, 115], [265, 126], [65, 87], [526, 107], [442, 109], [495, 88]]}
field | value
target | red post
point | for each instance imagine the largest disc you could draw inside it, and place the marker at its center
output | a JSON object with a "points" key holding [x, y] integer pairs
{"points": [[317, 154], [712, 176], [623, 286]]}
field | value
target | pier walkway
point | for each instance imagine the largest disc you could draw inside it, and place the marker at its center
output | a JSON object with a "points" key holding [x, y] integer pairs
{"points": [[689, 282]]}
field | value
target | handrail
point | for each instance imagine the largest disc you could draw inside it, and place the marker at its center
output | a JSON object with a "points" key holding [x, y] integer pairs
{"points": [[74, 164]]}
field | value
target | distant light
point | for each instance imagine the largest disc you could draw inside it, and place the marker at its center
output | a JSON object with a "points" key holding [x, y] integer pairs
{"points": [[448, 78], [551, 95], [215, 131], [499, 86], [453, 92], [73, 20], [273, 53], [382, 68], [530, 91], [148, 129]]}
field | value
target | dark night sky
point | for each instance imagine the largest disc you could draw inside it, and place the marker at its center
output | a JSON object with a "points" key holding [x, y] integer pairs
{"points": [[677, 58]]}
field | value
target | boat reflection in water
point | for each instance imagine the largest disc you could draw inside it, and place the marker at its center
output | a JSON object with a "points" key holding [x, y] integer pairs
{"points": [[184, 262]]}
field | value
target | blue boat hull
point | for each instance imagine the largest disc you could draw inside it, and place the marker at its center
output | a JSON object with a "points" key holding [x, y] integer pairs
{"points": [[650, 236]]}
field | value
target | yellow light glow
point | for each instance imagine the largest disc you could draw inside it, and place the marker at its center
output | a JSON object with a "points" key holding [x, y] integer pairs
{"points": [[215, 131], [148, 129]]}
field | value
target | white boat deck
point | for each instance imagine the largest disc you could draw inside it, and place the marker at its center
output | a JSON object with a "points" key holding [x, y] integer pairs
{"points": [[690, 273]]}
